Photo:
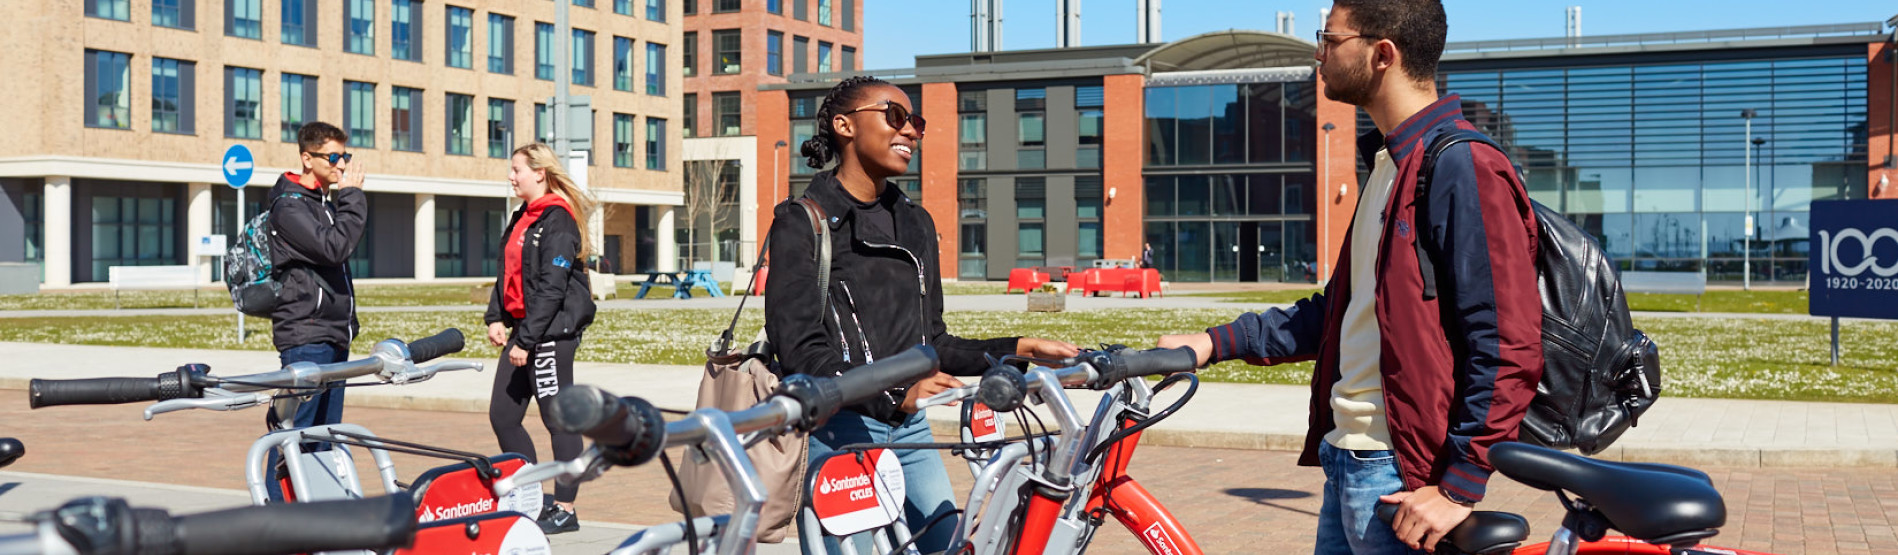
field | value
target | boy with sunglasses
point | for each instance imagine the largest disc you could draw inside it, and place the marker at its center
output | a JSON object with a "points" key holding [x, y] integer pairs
{"points": [[316, 220]]}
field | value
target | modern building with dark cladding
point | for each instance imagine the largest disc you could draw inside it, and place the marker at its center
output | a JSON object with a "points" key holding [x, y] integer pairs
{"points": [[1221, 152]]}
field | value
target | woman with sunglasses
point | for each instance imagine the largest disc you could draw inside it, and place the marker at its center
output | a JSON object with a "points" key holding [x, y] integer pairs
{"points": [[885, 292], [544, 295]]}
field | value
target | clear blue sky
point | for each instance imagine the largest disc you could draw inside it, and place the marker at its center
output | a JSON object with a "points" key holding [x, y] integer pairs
{"points": [[895, 31]]}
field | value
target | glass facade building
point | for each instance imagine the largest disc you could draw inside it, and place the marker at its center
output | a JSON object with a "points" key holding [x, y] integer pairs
{"points": [[1229, 177], [1655, 157]]}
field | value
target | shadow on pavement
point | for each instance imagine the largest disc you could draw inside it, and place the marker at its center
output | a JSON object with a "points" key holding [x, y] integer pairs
{"points": [[1265, 496]]}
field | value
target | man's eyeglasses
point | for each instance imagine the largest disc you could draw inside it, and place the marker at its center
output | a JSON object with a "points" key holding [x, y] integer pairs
{"points": [[332, 158], [893, 114], [1324, 38]]}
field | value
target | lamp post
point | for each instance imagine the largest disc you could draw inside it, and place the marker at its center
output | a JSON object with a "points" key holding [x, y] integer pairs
{"points": [[1748, 284], [1324, 189], [1746, 235], [774, 171]]}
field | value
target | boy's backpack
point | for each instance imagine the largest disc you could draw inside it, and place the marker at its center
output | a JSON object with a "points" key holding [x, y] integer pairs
{"points": [[248, 271], [1599, 373]]}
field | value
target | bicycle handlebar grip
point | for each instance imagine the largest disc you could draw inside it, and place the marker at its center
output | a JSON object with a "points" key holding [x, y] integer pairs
{"points": [[628, 429], [861, 383], [111, 391], [10, 450], [1121, 365], [1002, 389], [448, 342], [374, 523]]}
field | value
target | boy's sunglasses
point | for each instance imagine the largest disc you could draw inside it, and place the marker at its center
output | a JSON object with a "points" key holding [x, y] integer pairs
{"points": [[331, 157], [894, 114]]}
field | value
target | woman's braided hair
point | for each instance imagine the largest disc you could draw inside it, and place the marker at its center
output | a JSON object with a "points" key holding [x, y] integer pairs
{"points": [[821, 149]]}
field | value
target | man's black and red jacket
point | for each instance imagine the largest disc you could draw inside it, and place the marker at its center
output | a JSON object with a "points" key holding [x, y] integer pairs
{"points": [[1459, 370]]}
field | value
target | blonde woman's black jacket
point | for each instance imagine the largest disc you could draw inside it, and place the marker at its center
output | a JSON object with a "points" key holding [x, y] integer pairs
{"points": [[887, 296], [554, 284]]}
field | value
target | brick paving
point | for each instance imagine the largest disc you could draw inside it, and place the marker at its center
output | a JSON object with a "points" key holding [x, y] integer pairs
{"points": [[1233, 501]]}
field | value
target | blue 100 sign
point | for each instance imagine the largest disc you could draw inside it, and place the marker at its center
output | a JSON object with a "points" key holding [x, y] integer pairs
{"points": [[1854, 259]]}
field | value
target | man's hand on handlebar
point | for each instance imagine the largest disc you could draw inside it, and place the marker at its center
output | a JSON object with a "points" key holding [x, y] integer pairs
{"points": [[1045, 348], [1202, 344], [935, 383]]}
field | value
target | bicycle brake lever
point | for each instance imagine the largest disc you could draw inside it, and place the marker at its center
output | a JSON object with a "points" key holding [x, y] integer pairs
{"points": [[214, 399], [585, 467], [417, 374], [946, 397]]}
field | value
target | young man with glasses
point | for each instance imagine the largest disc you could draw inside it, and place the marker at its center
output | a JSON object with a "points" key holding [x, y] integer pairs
{"points": [[316, 220], [1411, 387]]}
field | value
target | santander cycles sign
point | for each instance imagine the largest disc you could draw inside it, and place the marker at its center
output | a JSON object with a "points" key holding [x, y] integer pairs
{"points": [[1854, 259]]}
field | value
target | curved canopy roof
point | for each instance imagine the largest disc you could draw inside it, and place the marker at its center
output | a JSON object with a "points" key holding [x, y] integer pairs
{"points": [[1230, 49]]}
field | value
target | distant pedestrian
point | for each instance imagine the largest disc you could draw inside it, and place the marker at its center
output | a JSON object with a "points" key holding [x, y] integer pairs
{"points": [[1146, 256], [543, 295]]}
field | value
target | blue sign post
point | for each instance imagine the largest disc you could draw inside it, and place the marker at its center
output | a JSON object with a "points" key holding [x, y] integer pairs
{"points": [[236, 165], [1853, 266]]}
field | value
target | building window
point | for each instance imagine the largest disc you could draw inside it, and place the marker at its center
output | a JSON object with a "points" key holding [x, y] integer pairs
{"points": [[543, 130], [623, 7], [727, 107], [801, 131], [543, 51], [972, 213], [405, 119], [1087, 214], [690, 7], [110, 9], [359, 107], [1031, 212], [774, 53], [691, 54], [171, 95], [171, 13], [460, 112], [622, 64], [500, 127], [690, 114], [774, 6], [244, 18], [1033, 132], [974, 131], [727, 46], [823, 12], [1092, 96], [460, 37], [800, 11], [359, 30], [656, 144], [583, 3], [448, 237], [622, 141], [849, 61], [1088, 155], [583, 57], [108, 102], [133, 231], [823, 57], [656, 10], [243, 103], [405, 24], [800, 54], [299, 104], [655, 69], [726, 6], [500, 44], [299, 17], [846, 18]]}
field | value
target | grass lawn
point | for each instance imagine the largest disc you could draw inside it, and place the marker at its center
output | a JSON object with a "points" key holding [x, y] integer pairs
{"points": [[1734, 301], [1701, 357]]}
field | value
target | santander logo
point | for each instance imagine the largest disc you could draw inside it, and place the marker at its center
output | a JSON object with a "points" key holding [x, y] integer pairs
{"points": [[455, 511], [859, 484], [1157, 539]]}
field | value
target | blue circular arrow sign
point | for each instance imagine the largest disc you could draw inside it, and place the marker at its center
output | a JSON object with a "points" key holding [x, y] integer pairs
{"points": [[236, 165]]}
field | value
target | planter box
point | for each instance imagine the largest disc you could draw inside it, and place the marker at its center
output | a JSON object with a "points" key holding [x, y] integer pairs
{"points": [[1039, 301]]}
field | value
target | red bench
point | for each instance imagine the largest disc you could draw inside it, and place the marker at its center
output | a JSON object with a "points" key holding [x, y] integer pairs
{"points": [[1025, 279], [1144, 282]]}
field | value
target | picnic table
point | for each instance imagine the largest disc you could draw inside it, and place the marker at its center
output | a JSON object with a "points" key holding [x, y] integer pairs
{"points": [[681, 282]]}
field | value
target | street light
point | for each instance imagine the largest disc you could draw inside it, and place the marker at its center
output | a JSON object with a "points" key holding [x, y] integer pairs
{"points": [[1324, 191], [774, 170], [1748, 283], [1746, 236]]}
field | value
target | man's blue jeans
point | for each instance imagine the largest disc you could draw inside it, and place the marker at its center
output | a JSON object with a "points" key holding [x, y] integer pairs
{"points": [[926, 482], [1347, 522], [316, 410]]}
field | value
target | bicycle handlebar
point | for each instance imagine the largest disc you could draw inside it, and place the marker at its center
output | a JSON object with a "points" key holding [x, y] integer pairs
{"points": [[112, 391], [822, 397], [448, 342], [1115, 366], [100, 525], [628, 429]]}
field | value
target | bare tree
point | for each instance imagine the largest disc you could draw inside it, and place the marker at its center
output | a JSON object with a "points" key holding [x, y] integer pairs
{"points": [[705, 190]]}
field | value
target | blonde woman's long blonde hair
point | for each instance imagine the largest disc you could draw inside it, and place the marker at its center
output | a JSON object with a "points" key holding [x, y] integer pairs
{"points": [[541, 157]]}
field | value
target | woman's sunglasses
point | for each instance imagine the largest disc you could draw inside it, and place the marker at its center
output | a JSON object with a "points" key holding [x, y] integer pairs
{"points": [[894, 114], [331, 157]]}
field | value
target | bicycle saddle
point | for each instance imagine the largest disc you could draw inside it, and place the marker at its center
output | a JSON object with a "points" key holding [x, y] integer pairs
{"points": [[1483, 533], [1656, 503], [10, 450]]}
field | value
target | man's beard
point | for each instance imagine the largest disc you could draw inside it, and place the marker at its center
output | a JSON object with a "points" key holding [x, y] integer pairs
{"points": [[1349, 86]]}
